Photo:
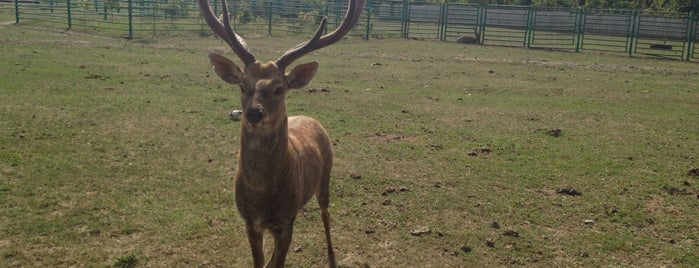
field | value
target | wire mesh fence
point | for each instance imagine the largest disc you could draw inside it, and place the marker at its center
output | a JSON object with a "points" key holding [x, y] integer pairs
{"points": [[671, 35]]}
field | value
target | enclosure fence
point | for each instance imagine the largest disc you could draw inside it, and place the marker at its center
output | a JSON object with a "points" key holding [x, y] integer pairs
{"points": [[670, 35]]}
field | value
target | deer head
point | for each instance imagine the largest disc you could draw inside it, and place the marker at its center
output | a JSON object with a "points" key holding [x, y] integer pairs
{"points": [[264, 85]]}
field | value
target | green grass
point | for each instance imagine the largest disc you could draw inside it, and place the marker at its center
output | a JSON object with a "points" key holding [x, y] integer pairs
{"points": [[120, 153]]}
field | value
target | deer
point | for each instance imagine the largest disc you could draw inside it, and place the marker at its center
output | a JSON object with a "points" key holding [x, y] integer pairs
{"points": [[283, 161], [475, 39]]}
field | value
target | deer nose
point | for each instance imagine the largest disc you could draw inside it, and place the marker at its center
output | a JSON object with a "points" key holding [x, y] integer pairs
{"points": [[254, 115]]}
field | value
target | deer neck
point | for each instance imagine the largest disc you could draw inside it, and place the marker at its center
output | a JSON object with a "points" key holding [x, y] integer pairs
{"points": [[263, 156]]}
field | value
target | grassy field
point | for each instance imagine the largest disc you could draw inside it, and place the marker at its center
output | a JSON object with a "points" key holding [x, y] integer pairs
{"points": [[120, 153]]}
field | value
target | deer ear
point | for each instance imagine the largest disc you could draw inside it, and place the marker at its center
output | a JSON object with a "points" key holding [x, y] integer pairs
{"points": [[301, 75], [225, 68]]}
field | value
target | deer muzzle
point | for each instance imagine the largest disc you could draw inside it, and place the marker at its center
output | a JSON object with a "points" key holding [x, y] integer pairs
{"points": [[254, 115]]}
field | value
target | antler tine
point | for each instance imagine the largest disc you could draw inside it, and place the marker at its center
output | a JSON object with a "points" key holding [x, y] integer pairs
{"points": [[303, 48], [225, 31], [353, 12], [351, 17]]}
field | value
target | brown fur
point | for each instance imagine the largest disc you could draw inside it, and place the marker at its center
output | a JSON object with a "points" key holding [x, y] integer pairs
{"points": [[283, 161], [474, 39]]}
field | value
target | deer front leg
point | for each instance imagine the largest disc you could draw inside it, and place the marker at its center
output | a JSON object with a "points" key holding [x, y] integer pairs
{"points": [[255, 239], [282, 240]]}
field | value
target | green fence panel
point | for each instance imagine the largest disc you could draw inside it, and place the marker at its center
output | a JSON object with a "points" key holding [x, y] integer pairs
{"points": [[289, 17], [301, 18], [48, 13], [461, 20], [606, 30], [424, 20], [671, 35], [505, 25], [248, 18], [662, 34], [554, 28], [130, 18], [9, 10], [140, 18], [383, 19]]}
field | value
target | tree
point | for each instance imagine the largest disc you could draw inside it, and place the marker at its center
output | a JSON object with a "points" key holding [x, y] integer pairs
{"points": [[686, 6], [555, 3]]}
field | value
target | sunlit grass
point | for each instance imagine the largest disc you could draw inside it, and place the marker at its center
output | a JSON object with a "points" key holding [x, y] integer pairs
{"points": [[115, 152]]}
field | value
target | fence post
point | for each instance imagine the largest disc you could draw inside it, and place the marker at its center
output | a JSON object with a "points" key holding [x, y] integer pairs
{"points": [[130, 20], [480, 22], [368, 10], [326, 14], [441, 35], [405, 21], [529, 29], [689, 34], [695, 23], [336, 13], [215, 6], [636, 27], [631, 34], [269, 17], [579, 28], [70, 20], [17, 11], [483, 9]]}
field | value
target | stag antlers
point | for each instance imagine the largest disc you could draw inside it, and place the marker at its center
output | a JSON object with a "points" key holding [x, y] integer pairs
{"points": [[237, 43]]}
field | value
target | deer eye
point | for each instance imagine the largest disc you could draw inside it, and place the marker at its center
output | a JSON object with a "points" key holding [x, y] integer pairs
{"points": [[278, 91]]}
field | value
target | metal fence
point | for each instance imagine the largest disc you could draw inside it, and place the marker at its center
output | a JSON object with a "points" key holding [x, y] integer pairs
{"points": [[671, 35]]}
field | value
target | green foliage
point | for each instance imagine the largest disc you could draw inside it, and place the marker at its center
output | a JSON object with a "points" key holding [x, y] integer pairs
{"points": [[85, 4], [128, 261], [174, 8], [554, 3], [686, 6]]}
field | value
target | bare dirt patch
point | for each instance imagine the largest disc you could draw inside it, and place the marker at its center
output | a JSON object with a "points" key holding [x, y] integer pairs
{"points": [[392, 137]]}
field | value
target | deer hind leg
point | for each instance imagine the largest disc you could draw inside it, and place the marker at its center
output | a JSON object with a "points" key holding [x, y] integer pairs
{"points": [[255, 239], [282, 240], [323, 197]]}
